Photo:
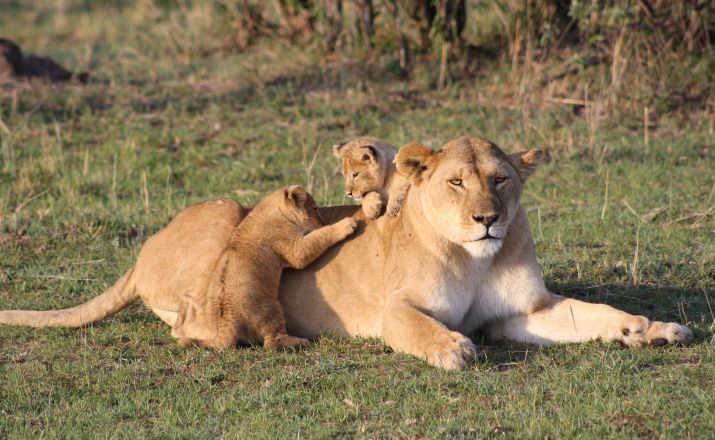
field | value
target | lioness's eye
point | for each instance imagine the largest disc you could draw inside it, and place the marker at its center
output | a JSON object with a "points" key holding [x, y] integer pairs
{"points": [[455, 182], [355, 175], [499, 179]]}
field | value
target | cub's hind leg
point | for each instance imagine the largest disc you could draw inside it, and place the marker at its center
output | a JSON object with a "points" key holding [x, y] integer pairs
{"points": [[266, 317], [284, 341]]}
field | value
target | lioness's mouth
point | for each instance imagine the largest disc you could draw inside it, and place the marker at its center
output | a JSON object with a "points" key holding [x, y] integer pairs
{"points": [[488, 237]]}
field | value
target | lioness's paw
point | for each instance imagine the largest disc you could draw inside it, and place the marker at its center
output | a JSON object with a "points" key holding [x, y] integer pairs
{"points": [[372, 205], [453, 354], [639, 331], [661, 333], [633, 331]]}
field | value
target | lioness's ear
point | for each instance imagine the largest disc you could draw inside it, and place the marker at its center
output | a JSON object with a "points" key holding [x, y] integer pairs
{"points": [[296, 195], [413, 160], [525, 162], [338, 150], [369, 153]]}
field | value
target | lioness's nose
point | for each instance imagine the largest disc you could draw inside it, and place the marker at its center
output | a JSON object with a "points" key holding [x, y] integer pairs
{"points": [[486, 220]]}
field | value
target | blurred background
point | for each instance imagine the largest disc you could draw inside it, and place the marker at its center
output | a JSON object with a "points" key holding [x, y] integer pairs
{"points": [[631, 53]]}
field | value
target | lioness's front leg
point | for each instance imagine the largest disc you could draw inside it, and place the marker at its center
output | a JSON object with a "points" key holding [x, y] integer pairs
{"points": [[569, 320], [407, 329]]}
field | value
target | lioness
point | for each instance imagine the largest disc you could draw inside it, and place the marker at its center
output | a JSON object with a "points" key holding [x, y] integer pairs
{"points": [[458, 256], [368, 167], [240, 303]]}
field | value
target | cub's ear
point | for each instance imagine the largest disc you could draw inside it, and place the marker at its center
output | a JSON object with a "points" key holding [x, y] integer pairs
{"points": [[525, 162], [369, 153], [413, 160], [296, 195], [338, 150]]}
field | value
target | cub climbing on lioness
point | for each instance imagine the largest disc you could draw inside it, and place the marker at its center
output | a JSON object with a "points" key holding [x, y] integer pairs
{"points": [[240, 303], [367, 164]]}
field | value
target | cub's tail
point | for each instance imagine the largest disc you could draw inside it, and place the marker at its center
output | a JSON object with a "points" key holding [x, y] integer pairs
{"points": [[114, 299]]}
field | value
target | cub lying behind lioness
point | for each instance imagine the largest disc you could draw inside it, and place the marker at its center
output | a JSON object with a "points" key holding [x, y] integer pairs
{"points": [[370, 175], [240, 303]]}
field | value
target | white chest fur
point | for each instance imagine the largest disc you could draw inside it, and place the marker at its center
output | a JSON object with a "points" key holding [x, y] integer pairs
{"points": [[465, 301]]}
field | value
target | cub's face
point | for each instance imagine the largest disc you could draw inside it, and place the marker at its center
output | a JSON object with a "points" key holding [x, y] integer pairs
{"points": [[469, 191], [363, 166]]}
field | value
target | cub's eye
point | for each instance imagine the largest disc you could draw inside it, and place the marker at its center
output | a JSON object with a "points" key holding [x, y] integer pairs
{"points": [[455, 182], [355, 175], [499, 179]]}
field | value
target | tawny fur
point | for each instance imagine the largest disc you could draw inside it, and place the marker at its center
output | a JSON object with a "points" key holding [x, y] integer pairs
{"points": [[420, 281], [368, 167], [241, 300]]}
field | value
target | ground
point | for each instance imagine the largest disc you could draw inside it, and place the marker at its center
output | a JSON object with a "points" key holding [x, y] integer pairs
{"points": [[621, 215]]}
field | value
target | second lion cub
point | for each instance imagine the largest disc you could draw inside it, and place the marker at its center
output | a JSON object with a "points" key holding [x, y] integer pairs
{"points": [[241, 302], [370, 175]]}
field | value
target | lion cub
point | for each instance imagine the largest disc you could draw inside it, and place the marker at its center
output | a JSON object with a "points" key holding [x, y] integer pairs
{"points": [[241, 303], [370, 175]]}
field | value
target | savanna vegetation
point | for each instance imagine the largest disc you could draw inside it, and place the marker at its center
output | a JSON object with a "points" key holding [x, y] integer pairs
{"points": [[189, 101]]}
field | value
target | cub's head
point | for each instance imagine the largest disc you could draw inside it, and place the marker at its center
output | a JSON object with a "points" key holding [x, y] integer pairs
{"points": [[300, 208], [365, 164], [469, 190]]}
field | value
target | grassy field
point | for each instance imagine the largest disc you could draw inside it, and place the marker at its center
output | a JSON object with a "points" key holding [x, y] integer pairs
{"points": [[87, 173]]}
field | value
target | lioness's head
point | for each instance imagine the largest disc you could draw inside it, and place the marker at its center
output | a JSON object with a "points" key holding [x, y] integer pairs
{"points": [[365, 163], [468, 190]]}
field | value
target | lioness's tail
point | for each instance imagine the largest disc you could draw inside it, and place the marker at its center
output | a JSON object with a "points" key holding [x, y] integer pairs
{"points": [[114, 299]]}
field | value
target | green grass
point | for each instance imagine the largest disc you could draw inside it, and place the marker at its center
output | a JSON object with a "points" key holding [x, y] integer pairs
{"points": [[88, 173]]}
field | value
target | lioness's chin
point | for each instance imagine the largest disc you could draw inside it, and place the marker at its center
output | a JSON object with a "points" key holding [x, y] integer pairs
{"points": [[483, 248]]}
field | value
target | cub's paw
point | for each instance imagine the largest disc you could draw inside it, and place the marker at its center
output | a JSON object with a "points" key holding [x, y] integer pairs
{"points": [[372, 205], [285, 342], [393, 208], [453, 353], [638, 331], [185, 342], [346, 227]]}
